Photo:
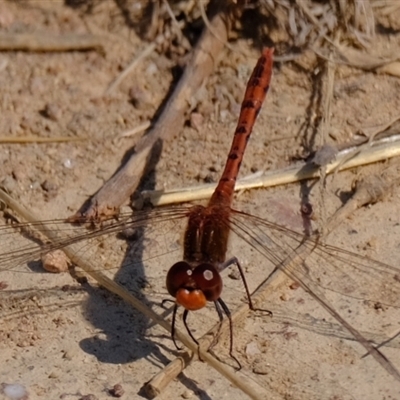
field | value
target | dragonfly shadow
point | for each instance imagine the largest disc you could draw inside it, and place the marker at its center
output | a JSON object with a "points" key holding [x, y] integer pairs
{"points": [[121, 330], [35, 266]]}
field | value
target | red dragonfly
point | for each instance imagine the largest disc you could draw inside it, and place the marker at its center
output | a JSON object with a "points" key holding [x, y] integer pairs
{"points": [[318, 268], [197, 280]]}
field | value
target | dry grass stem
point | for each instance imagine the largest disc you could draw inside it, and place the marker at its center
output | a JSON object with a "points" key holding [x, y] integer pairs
{"points": [[390, 69], [355, 58], [130, 68], [323, 131], [292, 174], [134, 131], [371, 134], [46, 42], [35, 139]]}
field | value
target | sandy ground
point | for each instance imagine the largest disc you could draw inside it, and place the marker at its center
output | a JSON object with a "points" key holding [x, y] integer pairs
{"points": [[70, 343]]}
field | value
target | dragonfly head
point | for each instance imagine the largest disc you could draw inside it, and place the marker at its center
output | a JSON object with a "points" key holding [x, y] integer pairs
{"points": [[193, 287]]}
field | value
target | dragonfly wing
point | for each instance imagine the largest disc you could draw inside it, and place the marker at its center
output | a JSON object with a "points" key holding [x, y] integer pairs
{"points": [[21, 243], [329, 274]]}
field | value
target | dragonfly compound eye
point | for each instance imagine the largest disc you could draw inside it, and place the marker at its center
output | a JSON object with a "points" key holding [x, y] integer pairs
{"points": [[209, 281], [179, 276]]}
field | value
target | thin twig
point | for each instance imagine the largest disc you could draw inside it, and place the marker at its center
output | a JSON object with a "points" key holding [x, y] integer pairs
{"points": [[115, 192], [210, 27], [48, 42], [292, 174], [130, 68], [35, 139], [370, 134], [134, 131], [323, 130]]}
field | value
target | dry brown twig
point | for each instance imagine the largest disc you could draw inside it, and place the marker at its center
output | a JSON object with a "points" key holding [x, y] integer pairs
{"points": [[323, 129], [356, 58], [46, 43], [111, 196], [35, 139]]}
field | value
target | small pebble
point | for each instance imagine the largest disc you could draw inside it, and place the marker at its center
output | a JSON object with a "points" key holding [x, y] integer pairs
{"points": [[117, 390], [54, 375], [14, 391], [261, 367], [56, 261], [284, 297], [53, 111], [19, 174], [252, 349], [67, 163], [187, 394], [34, 185], [196, 120], [69, 355], [49, 186], [152, 69], [234, 274], [9, 184]]}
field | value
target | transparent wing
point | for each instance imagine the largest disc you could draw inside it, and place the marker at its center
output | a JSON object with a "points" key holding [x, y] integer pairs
{"points": [[353, 284], [45, 236], [330, 268], [347, 285]]}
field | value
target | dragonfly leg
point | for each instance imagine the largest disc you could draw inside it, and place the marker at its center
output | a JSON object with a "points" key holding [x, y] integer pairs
{"points": [[185, 314], [173, 326], [165, 301], [221, 304], [235, 261], [221, 318]]}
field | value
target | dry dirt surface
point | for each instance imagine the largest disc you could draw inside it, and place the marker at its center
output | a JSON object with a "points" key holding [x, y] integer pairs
{"points": [[63, 340]]}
